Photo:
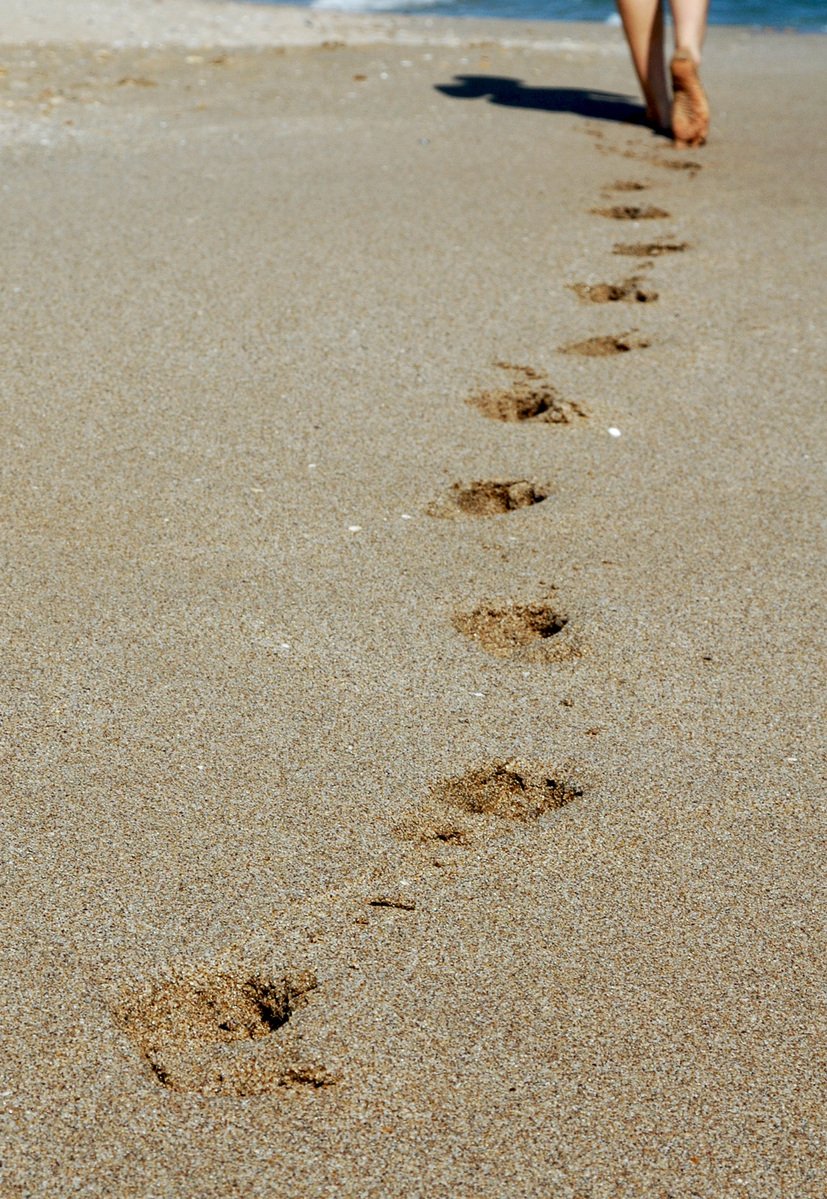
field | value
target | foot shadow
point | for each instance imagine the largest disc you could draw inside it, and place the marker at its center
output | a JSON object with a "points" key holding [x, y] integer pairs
{"points": [[513, 93]]}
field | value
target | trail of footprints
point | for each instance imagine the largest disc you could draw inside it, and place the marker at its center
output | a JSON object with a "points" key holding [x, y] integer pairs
{"points": [[217, 1034]]}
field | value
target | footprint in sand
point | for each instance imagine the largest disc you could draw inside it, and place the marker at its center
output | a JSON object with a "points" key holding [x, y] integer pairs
{"points": [[634, 150], [655, 160], [214, 1033], [629, 291], [668, 164], [626, 185], [677, 164], [536, 632], [603, 347], [462, 808], [490, 497], [632, 212], [650, 249], [508, 790], [529, 398]]}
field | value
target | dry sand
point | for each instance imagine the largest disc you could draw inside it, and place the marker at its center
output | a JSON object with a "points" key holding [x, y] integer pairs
{"points": [[254, 944]]}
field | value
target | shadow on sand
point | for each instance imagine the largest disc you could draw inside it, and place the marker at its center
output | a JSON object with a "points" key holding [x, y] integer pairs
{"points": [[512, 93]]}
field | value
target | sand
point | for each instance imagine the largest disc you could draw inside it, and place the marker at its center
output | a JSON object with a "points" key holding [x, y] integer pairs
{"points": [[253, 943]]}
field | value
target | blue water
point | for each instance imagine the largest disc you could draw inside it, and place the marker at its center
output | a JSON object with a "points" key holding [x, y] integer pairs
{"points": [[804, 15]]}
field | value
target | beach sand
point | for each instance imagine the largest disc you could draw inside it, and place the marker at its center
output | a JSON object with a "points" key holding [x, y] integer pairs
{"points": [[411, 743]]}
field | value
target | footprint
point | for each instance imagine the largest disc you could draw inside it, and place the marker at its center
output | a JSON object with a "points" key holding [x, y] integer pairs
{"points": [[630, 291], [532, 632], [626, 185], [632, 212], [488, 498], [219, 1034], [529, 398], [512, 791], [650, 249], [677, 164], [508, 790], [655, 160], [602, 347]]}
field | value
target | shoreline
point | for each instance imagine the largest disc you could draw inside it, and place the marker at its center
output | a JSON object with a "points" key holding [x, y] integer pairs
{"points": [[219, 23]]}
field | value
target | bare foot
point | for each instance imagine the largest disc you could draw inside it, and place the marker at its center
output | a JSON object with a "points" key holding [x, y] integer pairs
{"points": [[690, 109]]}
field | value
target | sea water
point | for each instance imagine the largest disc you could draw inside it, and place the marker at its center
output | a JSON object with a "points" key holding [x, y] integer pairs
{"points": [[804, 15]]}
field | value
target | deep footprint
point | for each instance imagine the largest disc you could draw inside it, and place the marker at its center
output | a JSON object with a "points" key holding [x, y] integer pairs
{"points": [[650, 249], [538, 631], [630, 291], [508, 790], [218, 1034], [529, 398], [490, 497], [632, 212], [603, 347]]}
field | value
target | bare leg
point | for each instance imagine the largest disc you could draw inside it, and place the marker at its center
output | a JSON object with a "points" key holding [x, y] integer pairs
{"points": [[643, 26], [690, 26], [690, 110]]}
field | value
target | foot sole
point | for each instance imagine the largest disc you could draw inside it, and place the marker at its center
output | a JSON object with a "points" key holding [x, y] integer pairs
{"points": [[690, 108]]}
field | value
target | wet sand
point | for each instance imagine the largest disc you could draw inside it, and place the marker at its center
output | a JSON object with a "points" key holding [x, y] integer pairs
{"points": [[351, 850]]}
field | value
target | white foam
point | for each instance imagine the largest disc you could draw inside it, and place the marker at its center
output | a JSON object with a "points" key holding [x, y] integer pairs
{"points": [[614, 20]]}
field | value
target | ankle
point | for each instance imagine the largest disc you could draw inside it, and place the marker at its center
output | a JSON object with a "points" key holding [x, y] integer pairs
{"points": [[688, 50]]}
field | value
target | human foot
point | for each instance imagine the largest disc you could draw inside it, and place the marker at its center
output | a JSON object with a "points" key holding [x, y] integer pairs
{"points": [[690, 109]]}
